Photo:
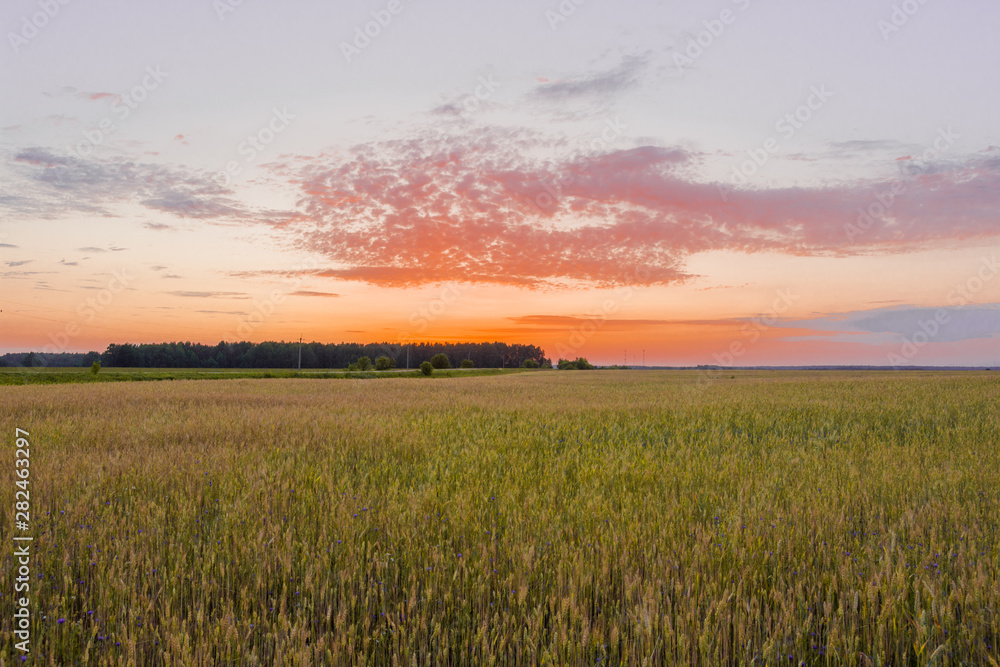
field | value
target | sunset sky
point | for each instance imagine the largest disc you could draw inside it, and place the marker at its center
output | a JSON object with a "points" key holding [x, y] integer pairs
{"points": [[725, 182]]}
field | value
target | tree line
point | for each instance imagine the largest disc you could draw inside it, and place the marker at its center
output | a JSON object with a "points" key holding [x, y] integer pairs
{"points": [[283, 354]]}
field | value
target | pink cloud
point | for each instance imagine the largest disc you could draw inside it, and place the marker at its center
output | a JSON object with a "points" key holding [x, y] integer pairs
{"points": [[482, 208], [95, 97]]}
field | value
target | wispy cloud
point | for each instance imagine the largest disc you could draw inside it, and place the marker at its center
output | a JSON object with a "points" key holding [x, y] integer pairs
{"points": [[564, 321], [211, 295], [600, 86], [96, 97], [859, 146], [54, 185], [304, 292], [21, 275]]}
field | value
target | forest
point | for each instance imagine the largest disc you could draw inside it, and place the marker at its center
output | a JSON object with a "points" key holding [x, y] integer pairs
{"points": [[282, 354]]}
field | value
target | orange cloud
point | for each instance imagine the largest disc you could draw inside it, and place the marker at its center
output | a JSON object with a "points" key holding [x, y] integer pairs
{"points": [[480, 209], [98, 96]]}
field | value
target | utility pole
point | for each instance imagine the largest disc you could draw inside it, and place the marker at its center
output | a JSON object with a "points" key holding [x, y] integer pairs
{"points": [[407, 356], [300, 352]]}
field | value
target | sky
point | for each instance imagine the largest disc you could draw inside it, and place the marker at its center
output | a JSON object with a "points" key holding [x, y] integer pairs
{"points": [[730, 182]]}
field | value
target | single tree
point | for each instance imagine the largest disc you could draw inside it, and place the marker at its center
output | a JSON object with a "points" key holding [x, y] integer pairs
{"points": [[95, 368], [529, 363], [426, 368], [468, 364], [364, 363], [384, 363], [440, 361]]}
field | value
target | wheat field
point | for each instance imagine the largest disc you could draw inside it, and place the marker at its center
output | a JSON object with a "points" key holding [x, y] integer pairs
{"points": [[561, 518]]}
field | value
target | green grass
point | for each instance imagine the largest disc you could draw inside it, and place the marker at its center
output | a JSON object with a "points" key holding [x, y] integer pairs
{"points": [[583, 518], [44, 375]]}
